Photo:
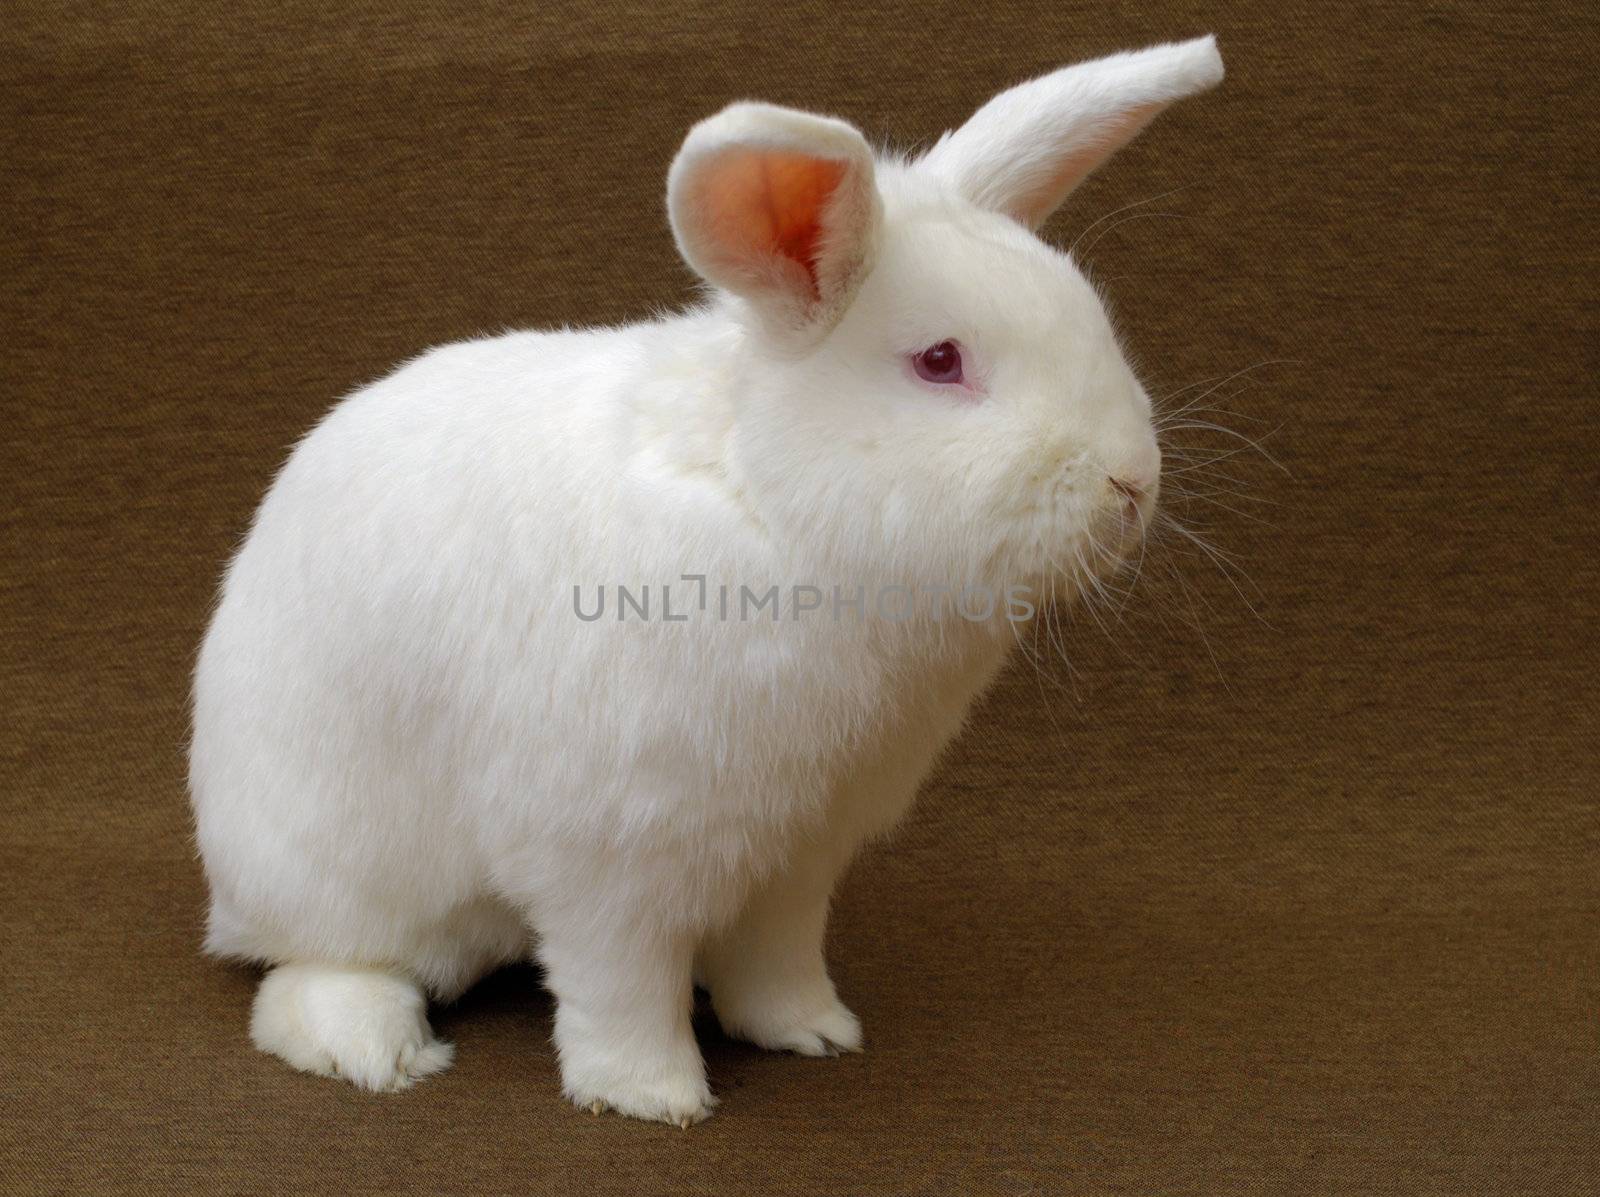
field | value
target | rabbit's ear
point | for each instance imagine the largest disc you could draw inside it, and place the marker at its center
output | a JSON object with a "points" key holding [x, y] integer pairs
{"points": [[1025, 150], [779, 207]]}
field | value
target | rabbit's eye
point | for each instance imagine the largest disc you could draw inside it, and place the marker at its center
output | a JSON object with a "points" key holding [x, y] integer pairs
{"points": [[939, 363]]}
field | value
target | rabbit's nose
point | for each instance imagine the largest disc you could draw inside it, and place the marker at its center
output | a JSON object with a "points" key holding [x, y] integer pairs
{"points": [[1137, 475], [1136, 491], [1130, 490]]}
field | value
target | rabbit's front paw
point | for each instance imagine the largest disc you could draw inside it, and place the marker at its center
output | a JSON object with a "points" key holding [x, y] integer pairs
{"points": [[680, 1105], [681, 1099], [821, 1026]]}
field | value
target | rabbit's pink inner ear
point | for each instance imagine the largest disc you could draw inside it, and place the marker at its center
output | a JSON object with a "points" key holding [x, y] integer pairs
{"points": [[1034, 204], [771, 203]]}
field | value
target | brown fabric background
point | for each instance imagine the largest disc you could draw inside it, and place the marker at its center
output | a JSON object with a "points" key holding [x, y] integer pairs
{"points": [[1298, 903]]}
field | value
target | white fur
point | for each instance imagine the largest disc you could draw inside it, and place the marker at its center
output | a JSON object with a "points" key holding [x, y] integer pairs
{"points": [[411, 759], [367, 1026], [1025, 150]]}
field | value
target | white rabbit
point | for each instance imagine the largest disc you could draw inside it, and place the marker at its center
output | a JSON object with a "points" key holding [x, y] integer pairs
{"points": [[416, 753]]}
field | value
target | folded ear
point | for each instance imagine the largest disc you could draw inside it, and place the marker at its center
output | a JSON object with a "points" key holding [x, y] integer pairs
{"points": [[779, 207], [1025, 150]]}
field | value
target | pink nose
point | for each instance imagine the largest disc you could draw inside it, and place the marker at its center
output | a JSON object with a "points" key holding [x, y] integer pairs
{"points": [[1135, 492], [1137, 475]]}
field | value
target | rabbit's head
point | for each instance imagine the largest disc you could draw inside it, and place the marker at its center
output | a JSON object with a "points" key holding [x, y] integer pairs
{"points": [[925, 391]]}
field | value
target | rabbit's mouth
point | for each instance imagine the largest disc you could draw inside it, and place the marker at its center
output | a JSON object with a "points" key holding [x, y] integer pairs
{"points": [[1114, 537], [1129, 510], [1078, 536]]}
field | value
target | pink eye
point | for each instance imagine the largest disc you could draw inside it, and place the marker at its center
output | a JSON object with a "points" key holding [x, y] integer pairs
{"points": [[939, 363]]}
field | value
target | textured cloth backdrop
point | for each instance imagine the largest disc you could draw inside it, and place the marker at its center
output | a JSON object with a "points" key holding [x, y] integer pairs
{"points": [[1289, 886]]}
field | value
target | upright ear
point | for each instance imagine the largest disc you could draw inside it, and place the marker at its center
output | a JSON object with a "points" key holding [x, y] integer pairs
{"points": [[779, 207], [1025, 150]]}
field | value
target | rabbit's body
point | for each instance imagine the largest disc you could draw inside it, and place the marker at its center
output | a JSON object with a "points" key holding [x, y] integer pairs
{"points": [[618, 644], [437, 658]]}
